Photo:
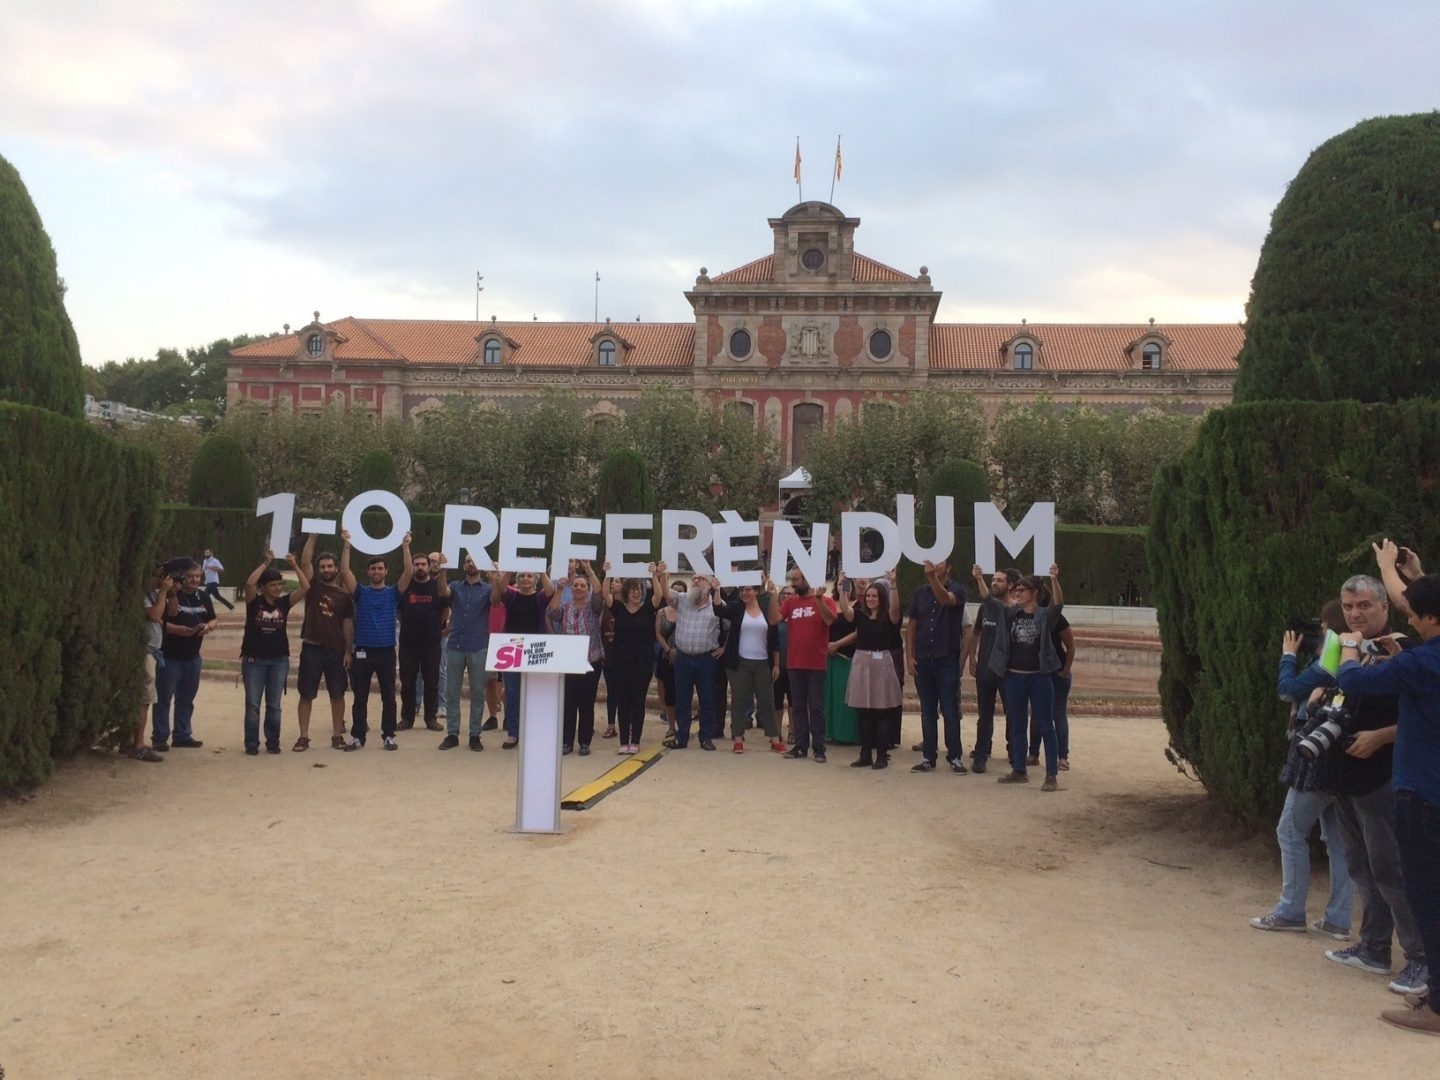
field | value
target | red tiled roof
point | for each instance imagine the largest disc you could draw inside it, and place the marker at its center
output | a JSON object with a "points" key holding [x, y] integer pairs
{"points": [[540, 344], [1083, 347], [867, 271]]}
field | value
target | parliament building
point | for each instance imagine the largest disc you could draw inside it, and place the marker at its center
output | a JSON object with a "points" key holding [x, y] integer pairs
{"points": [[810, 332]]}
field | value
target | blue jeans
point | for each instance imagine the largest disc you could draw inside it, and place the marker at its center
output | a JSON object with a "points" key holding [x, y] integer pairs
{"points": [[1060, 688], [267, 678], [1417, 831], [694, 674], [937, 681], [511, 679], [177, 681], [1030, 693], [456, 665], [1302, 810]]}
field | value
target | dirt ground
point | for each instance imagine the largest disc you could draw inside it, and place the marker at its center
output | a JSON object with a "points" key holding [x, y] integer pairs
{"points": [[371, 915]]}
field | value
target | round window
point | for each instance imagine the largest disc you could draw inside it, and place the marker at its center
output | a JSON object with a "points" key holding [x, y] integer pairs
{"points": [[880, 344], [740, 344], [315, 345], [813, 259]]}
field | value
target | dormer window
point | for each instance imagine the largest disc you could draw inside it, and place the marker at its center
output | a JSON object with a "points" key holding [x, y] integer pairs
{"points": [[1024, 357], [607, 353], [1150, 357], [315, 346], [492, 351]]}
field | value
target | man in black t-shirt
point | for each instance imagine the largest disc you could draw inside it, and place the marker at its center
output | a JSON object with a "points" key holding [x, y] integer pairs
{"points": [[994, 598], [265, 649], [423, 599], [525, 607], [189, 616]]}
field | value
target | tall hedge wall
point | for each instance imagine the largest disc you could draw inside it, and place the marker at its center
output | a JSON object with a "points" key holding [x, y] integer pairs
{"points": [[1274, 506], [78, 514]]}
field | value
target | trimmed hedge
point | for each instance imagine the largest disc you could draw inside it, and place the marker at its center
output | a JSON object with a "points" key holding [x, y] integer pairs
{"points": [[78, 512], [1274, 506], [221, 475], [964, 481]]}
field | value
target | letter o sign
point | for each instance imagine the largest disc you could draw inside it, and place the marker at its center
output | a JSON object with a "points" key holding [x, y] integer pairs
{"points": [[361, 540]]}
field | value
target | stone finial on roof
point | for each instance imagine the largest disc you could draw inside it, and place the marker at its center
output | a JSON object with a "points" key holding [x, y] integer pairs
{"points": [[1152, 320], [317, 316], [704, 277], [287, 328], [1024, 322], [492, 318], [924, 277]]}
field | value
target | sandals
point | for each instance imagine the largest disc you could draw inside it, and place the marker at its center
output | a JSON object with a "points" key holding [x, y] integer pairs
{"points": [[337, 742], [610, 733], [1064, 764], [303, 743]]}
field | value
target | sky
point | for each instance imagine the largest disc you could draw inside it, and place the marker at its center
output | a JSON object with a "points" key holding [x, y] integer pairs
{"points": [[206, 169]]}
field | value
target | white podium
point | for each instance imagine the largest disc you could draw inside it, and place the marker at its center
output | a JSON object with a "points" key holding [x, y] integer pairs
{"points": [[542, 661]]}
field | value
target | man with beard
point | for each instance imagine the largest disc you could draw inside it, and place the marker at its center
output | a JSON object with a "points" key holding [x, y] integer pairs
{"points": [[325, 638], [423, 600], [525, 607], [809, 617], [993, 600], [189, 616], [373, 654], [469, 641]]}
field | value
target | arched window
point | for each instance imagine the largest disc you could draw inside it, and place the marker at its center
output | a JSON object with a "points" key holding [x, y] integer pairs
{"points": [[607, 353], [740, 344], [315, 345], [492, 350], [742, 409], [1150, 357], [805, 422], [880, 344], [1024, 357]]}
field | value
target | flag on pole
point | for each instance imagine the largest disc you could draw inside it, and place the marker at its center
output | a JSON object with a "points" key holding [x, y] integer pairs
{"points": [[797, 159], [838, 163]]}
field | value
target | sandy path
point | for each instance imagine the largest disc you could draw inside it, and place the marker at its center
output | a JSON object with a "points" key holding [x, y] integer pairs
{"points": [[720, 916]]}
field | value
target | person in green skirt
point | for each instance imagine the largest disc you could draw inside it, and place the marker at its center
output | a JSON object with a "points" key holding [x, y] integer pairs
{"points": [[842, 723]]}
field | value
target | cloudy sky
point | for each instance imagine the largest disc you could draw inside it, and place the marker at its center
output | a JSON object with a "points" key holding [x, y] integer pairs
{"points": [[208, 169]]}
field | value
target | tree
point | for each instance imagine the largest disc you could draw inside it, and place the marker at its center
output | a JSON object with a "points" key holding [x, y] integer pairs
{"points": [[39, 355], [668, 427], [174, 446], [221, 476], [1344, 296], [375, 471], [965, 482], [624, 486], [194, 381]]}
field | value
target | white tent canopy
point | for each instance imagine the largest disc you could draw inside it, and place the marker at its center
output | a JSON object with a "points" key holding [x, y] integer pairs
{"points": [[799, 480]]}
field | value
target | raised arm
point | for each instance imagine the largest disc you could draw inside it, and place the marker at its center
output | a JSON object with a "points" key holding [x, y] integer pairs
{"points": [[1387, 557], [440, 574], [980, 583], [307, 556], [842, 595], [595, 590], [301, 576], [254, 578], [547, 586], [772, 608], [1057, 598], [892, 584], [408, 570], [347, 576], [937, 585], [659, 585]]}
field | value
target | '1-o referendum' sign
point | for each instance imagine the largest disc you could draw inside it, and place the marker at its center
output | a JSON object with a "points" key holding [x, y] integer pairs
{"points": [[714, 547]]}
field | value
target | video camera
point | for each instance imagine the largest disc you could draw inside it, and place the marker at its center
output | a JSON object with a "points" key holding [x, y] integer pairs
{"points": [[1310, 631]]}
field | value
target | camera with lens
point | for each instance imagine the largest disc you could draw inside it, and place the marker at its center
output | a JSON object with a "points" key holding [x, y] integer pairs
{"points": [[1326, 725], [1310, 631]]}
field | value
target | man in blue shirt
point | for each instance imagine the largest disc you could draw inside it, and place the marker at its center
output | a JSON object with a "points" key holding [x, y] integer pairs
{"points": [[1414, 677], [376, 605], [935, 636], [470, 600]]}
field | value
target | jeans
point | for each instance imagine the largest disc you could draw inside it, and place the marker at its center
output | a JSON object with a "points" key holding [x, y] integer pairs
{"points": [[381, 664], [263, 678], [1059, 712], [937, 682], [456, 665], [751, 688], [1417, 831], [694, 674], [177, 681], [987, 688], [807, 709], [419, 660], [1030, 692], [511, 679], [579, 706], [1302, 810], [1367, 823]]}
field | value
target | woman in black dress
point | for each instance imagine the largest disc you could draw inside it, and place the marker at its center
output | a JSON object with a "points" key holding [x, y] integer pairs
{"points": [[631, 653]]}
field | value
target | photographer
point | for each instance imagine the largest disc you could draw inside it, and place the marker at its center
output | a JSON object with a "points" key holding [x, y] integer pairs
{"points": [[189, 616], [1366, 800], [1414, 678], [1310, 796]]}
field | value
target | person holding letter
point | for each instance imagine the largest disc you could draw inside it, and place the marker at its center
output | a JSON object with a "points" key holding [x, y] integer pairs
{"points": [[1024, 652], [373, 656], [935, 638], [580, 617], [808, 618], [326, 634], [265, 649], [697, 654]]}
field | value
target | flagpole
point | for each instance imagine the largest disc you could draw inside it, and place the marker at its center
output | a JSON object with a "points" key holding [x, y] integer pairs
{"points": [[835, 171], [799, 187]]}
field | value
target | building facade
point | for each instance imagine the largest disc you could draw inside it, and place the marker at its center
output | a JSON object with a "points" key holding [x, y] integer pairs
{"points": [[807, 334]]}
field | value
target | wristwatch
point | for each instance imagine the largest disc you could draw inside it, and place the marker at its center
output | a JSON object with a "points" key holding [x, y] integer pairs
{"points": [[1349, 643]]}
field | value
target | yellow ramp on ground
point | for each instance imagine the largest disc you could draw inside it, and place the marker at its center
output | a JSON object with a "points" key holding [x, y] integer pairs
{"points": [[587, 795]]}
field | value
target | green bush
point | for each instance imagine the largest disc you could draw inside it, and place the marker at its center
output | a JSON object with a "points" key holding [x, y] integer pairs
{"points": [[78, 513], [375, 471], [221, 476], [964, 481], [1274, 506], [1345, 293], [624, 484], [39, 356]]}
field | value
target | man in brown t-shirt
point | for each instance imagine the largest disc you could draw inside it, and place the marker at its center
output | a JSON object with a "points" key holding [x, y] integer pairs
{"points": [[325, 636]]}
